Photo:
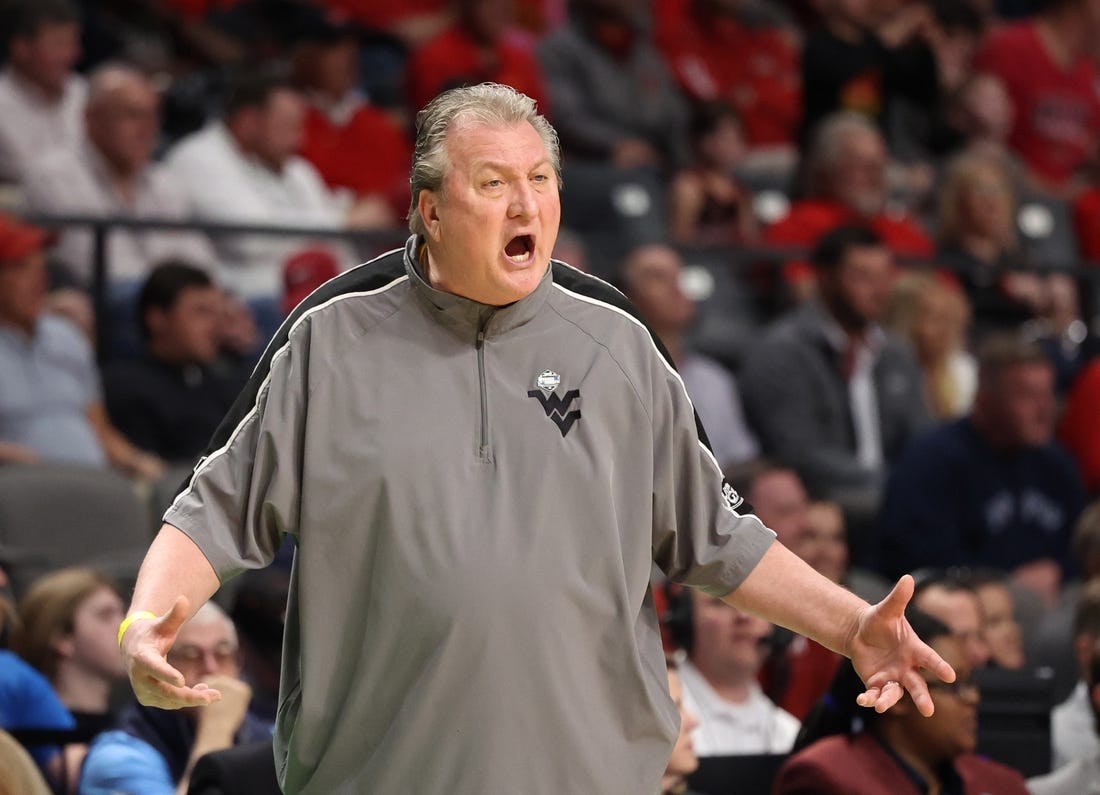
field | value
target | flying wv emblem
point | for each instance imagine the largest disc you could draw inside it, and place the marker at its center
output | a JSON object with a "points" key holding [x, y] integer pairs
{"points": [[556, 408]]}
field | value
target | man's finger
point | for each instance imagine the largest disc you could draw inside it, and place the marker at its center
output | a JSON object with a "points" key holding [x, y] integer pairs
{"points": [[151, 665], [160, 694], [937, 666], [918, 690]]}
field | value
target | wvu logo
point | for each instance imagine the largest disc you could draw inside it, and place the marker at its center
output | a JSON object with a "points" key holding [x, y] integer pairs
{"points": [[557, 409]]}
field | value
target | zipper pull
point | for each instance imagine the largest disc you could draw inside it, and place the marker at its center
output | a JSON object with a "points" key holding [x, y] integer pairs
{"points": [[480, 337]]}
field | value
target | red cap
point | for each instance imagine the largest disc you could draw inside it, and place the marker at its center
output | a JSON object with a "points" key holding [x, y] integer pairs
{"points": [[18, 239], [305, 272]]}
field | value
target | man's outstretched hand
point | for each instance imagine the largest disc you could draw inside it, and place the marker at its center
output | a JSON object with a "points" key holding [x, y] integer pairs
{"points": [[888, 655], [156, 683]]}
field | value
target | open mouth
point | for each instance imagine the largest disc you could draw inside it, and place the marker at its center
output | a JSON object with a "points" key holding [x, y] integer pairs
{"points": [[520, 248]]}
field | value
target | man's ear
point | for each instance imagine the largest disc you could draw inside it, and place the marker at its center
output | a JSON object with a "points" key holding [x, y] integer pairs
{"points": [[62, 645], [428, 205]]}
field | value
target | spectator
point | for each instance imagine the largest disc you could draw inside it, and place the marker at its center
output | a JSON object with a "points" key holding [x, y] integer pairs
{"points": [[650, 277], [683, 761], [1047, 65], [153, 751], [979, 116], [978, 242], [611, 95], [172, 399], [725, 650], [845, 749], [825, 547], [945, 596], [718, 55], [1000, 628], [28, 702], [1072, 722], [798, 672], [1080, 774], [475, 49], [934, 317], [990, 489], [68, 626], [707, 205], [1079, 428], [244, 169], [259, 610], [111, 173], [357, 147], [52, 409], [1086, 214], [41, 100], [856, 61], [827, 389], [845, 184]]}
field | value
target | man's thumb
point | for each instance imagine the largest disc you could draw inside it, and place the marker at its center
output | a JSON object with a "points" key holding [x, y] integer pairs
{"points": [[171, 621]]}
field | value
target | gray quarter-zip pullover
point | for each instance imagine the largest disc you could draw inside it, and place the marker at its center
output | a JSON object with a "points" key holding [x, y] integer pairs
{"points": [[477, 495]]}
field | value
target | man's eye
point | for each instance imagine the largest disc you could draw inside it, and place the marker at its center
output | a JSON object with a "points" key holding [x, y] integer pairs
{"points": [[494, 183], [540, 178]]}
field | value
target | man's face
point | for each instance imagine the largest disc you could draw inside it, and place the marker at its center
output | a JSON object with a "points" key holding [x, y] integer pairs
{"points": [[825, 544], [1023, 404], [123, 125], [492, 226], [47, 58], [858, 293], [189, 328], [859, 176], [280, 127], [1002, 631], [205, 649], [780, 501], [724, 638], [654, 286], [22, 290], [95, 625], [961, 611]]}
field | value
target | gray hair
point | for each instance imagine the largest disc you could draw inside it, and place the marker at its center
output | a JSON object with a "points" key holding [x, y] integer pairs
{"points": [[108, 77], [212, 613], [489, 104], [829, 138]]}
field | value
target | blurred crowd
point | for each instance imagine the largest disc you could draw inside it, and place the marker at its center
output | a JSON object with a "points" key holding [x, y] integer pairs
{"points": [[867, 231]]}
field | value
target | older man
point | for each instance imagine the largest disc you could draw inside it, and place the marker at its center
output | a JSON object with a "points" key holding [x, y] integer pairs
{"points": [[153, 752], [481, 454], [111, 173]]}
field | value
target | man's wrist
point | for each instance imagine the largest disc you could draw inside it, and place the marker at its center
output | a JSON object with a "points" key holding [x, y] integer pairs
{"points": [[137, 615]]}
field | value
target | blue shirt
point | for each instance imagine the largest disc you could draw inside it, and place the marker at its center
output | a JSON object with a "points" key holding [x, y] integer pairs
{"points": [[119, 762], [953, 500], [28, 701], [49, 380]]}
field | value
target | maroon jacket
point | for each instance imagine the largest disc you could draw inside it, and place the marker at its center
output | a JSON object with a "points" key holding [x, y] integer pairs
{"points": [[861, 766]]}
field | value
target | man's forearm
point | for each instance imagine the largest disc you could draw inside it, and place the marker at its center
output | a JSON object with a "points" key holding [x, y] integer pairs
{"points": [[785, 590], [174, 565]]}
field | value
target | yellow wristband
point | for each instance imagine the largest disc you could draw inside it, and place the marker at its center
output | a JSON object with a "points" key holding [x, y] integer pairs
{"points": [[130, 619]]}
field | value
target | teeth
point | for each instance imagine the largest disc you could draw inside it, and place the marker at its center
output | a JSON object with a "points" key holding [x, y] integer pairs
{"points": [[526, 255]]}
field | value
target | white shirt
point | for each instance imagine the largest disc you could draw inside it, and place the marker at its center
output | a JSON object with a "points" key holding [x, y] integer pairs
{"points": [[1079, 777], [33, 125], [78, 182], [222, 183], [1073, 728], [862, 397], [757, 726]]}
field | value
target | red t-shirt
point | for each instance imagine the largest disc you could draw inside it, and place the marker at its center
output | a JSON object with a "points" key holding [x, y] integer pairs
{"points": [[756, 70], [1057, 110], [1086, 223], [369, 154], [809, 219], [1079, 430], [453, 58]]}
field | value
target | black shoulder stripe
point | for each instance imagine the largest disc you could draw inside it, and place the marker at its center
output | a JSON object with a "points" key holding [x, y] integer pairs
{"points": [[370, 276], [592, 287]]}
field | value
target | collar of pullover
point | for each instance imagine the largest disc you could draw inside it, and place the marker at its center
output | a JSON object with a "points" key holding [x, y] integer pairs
{"points": [[464, 316]]}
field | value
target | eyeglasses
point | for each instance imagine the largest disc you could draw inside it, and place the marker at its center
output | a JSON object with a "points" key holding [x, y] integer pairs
{"points": [[959, 688], [224, 654]]}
